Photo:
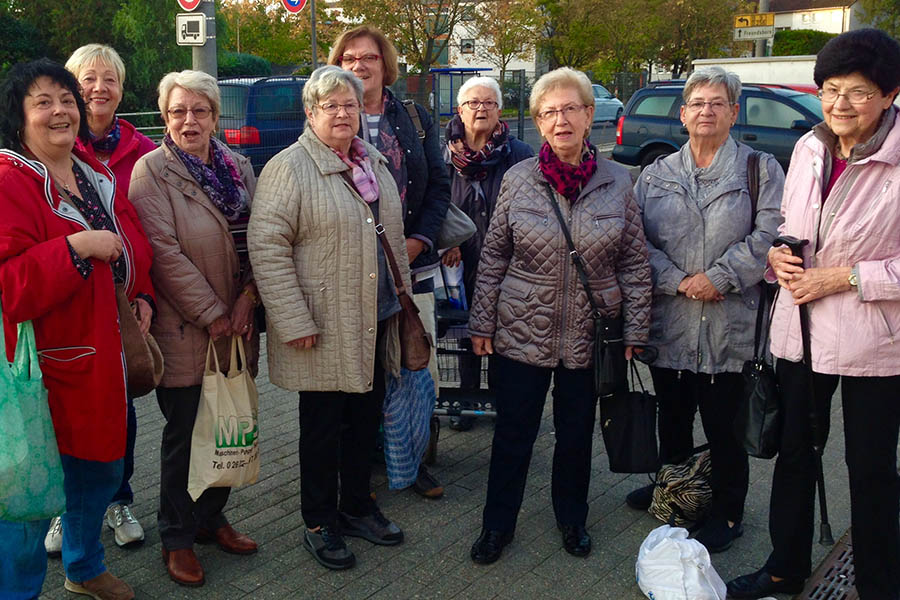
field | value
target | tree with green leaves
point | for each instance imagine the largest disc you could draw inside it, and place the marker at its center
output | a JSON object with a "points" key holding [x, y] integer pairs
{"points": [[569, 31], [883, 14], [506, 30], [694, 29]]}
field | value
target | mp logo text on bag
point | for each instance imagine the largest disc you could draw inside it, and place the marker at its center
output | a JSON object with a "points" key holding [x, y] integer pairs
{"points": [[672, 567], [225, 441]]}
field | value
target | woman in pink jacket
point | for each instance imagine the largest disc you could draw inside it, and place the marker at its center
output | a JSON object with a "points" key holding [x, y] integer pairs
{"points": [[842, 193]]}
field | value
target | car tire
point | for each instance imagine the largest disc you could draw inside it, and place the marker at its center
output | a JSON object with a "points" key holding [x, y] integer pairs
{"points": [[651, 155]]}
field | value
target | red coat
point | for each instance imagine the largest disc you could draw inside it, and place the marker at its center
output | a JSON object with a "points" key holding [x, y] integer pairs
{"points": [[132, 145], [75, 320]]}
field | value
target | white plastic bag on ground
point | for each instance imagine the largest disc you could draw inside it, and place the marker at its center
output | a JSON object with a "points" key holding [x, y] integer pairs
{"points": [[672, 567]]}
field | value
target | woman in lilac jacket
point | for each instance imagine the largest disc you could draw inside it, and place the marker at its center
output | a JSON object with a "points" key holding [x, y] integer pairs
{"points": [[842, 193]]}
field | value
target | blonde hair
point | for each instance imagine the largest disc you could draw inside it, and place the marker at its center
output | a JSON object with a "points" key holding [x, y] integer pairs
{"points": [[388, 51], [563, 77], [197, 82], [89, 54]]}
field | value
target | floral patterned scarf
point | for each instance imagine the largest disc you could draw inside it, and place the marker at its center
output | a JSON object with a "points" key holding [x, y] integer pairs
{"points": [[568, 179], [360, 170], [220, 180], [108, 143], [471, 164]]}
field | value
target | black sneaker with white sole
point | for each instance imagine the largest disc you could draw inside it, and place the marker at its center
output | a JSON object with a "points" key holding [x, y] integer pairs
{"points": [[375, 528], [328, 548]]}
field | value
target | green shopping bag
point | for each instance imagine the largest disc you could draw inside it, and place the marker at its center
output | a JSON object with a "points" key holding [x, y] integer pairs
{"points": [[31, 476]]}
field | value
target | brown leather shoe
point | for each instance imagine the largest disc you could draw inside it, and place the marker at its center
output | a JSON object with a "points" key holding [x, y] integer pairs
{"points": [[228, 540], [183, 567], [104, 586]]}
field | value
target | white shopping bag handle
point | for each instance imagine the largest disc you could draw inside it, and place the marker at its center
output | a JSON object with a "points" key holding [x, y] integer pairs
{"points": [[237, 346]]}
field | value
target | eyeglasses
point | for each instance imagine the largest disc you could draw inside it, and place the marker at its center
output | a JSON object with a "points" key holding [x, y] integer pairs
{"points": [[715, 105], [179, 114], [332, 108], [366, 59], [478, 104], [856, 96], [566, 111]]}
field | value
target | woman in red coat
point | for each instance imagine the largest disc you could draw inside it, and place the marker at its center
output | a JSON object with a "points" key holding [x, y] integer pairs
{"points": [[66, 239]]}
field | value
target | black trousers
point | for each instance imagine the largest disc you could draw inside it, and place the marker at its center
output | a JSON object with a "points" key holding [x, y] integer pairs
{"points": [[871, 408], [521, 390], [678, 395], [179, 517], [337, 439]]}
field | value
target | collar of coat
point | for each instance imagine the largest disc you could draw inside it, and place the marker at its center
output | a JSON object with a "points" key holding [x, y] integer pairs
{"points": [[327, 161], [883, 146]]}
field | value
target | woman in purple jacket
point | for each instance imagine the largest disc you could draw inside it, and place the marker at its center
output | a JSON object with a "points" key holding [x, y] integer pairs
{"points": [[842, 193]]}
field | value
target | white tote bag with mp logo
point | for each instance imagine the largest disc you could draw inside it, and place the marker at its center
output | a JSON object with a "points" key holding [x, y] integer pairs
{"points": [[225, 444]]}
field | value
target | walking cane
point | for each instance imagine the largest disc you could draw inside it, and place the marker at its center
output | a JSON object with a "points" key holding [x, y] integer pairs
{"points": [[825, 537]]}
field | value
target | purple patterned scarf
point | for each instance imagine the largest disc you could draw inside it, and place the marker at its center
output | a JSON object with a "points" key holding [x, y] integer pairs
{"points": [[220, 180], [471, 164], [360, 170], [568, 179], [107, 144]]}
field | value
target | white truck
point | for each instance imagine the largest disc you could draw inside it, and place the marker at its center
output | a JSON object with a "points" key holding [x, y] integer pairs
{"points": [[767, 69]]}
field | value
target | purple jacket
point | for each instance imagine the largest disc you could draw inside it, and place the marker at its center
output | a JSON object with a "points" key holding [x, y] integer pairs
{"points": [[854, 333]]}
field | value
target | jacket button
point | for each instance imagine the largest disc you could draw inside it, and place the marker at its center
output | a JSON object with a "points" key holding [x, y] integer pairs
{"points": [[372, 275], [369, 220], [368, 383], [702, 318], [409, 212], [371, 330], [409, 182], [407, 151]]}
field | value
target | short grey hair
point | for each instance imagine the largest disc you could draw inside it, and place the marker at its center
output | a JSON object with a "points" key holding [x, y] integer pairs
{"points": [[488, 82], [563, 77], [325, 81], [197, 82], [713, 76]]}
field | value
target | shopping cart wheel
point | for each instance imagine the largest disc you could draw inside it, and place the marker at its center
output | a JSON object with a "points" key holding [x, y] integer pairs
{"points": [[431, 450]]}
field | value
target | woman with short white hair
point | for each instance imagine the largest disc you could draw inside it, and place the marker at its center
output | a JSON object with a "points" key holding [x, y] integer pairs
{"points": [[193, 196]]}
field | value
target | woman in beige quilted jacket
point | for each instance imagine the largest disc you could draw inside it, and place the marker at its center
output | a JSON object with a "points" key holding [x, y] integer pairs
{"points": [[531, 311], [331, 307]]}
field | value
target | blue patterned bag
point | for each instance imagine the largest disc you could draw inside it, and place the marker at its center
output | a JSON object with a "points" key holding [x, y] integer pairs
{"points": [[31, 475], [408, 404]]}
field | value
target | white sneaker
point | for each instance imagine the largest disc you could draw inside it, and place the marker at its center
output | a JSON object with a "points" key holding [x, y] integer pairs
{"points": [[128, 530], [53, 540]]}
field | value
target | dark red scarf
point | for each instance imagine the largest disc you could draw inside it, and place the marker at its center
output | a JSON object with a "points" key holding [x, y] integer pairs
{"points": [[568, 179]]}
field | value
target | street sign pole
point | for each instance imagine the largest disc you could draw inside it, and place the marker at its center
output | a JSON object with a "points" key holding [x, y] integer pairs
{"points": [[312, 18], [761, 44], [204, 57]]}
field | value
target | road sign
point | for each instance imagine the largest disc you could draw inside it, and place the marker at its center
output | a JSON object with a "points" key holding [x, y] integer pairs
{"points": [[294, 6], [754, 20], [754, 33], [188, 5], [190, 29]]}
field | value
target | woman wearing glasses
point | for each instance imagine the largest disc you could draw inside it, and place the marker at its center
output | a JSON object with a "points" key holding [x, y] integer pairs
{"points": [[707, 253], [479, 151], [842, 195], [331, 307], [193, 197], [531, 312], [415, 163]]}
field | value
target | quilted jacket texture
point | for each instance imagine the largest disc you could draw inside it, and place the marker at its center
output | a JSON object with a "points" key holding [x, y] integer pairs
{"points": [[528, 297], [195, 270], [313, 248]]}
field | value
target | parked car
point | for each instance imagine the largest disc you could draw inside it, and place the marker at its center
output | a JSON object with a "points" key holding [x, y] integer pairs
{"points": [[261, 116], [606, 106], [771, 119]]}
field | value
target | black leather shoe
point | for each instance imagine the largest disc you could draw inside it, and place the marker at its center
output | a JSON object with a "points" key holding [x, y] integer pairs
{"points": [[576, 539], [717, 536], [760, 584], [489, 545], [641, 498]]}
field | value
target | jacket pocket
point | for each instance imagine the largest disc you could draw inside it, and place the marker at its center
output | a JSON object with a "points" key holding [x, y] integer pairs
{"points": [[514, 302], [66, 359]]}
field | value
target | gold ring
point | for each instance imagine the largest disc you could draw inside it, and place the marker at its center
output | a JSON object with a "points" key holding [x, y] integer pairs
{"points": [[694, 297]]}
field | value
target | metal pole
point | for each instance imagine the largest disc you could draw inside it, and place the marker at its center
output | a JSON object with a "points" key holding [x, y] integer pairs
{"points": [[522, 104], [312, 18], [204, 57], [761, 44]]}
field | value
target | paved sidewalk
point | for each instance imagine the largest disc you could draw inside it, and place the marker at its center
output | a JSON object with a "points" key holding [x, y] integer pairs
{"points": [[433, 562]]}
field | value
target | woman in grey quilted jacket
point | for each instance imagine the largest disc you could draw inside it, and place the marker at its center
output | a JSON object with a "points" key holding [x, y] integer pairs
{"points": [[708, 253], [531, 311]]}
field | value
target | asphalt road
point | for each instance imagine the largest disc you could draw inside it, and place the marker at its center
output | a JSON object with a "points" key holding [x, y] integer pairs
{"points": [[603, 135]]}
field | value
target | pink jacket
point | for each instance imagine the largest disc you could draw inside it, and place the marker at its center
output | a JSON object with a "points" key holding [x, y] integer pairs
{"points": [[854, 333], [132, 145]]}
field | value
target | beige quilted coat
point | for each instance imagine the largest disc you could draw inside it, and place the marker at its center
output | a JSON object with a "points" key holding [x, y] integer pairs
{"points": [[195, 270], [313, 249], [528, 297]]}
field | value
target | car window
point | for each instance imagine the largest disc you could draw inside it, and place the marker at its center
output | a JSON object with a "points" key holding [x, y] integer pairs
{"points": [[234, 101], [766, 112], [600, 91], [279, 102], [810, 103], [654, 106]]}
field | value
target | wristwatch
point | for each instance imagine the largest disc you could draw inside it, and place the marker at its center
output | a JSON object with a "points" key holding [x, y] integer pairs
{"points": [[853, 279]]}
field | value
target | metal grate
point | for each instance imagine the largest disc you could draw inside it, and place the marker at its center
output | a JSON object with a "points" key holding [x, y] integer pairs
{"points": [[834, 579]]}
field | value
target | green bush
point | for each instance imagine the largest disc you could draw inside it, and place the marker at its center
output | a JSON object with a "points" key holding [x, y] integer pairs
{"points": [[233, 64], [798, 42]]}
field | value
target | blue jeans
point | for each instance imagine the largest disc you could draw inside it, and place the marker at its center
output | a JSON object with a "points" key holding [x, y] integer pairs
{"points": [[88, 486], [125, 495]]}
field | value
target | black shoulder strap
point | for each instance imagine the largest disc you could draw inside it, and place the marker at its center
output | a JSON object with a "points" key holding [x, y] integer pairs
{"points": [[416, 119], [753, 177], [576, 258]]}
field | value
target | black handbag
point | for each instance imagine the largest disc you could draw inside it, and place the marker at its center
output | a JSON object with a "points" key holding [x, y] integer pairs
{"points": [[628, 424], [609, 345]]}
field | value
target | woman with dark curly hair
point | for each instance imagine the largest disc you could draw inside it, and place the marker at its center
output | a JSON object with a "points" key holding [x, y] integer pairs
{"points": [[841, 194]]}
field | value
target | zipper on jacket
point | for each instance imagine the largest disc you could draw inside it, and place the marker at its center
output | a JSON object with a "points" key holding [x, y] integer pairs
{"points": [[886, 324], [565, 296]]}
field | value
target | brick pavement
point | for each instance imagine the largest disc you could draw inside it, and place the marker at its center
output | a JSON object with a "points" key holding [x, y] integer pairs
{"points": [[433, 562]]}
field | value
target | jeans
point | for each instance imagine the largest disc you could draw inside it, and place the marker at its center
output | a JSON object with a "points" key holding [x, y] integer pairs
{"points": [[125, 495], [521, 391], [88, 486], [871, 428]]}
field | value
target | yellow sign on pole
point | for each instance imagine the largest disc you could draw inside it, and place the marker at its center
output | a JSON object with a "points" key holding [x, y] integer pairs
{"points": [[754, 20]]}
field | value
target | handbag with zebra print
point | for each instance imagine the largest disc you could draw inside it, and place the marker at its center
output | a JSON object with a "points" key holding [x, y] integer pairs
{"points": [[681, 493]]}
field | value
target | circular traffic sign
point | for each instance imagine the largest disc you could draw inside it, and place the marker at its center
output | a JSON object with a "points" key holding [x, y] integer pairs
{"points": [[294, 6], [188, 4]]}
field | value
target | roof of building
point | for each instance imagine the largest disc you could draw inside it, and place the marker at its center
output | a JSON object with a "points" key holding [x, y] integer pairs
{"points": [[804, 5]]}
